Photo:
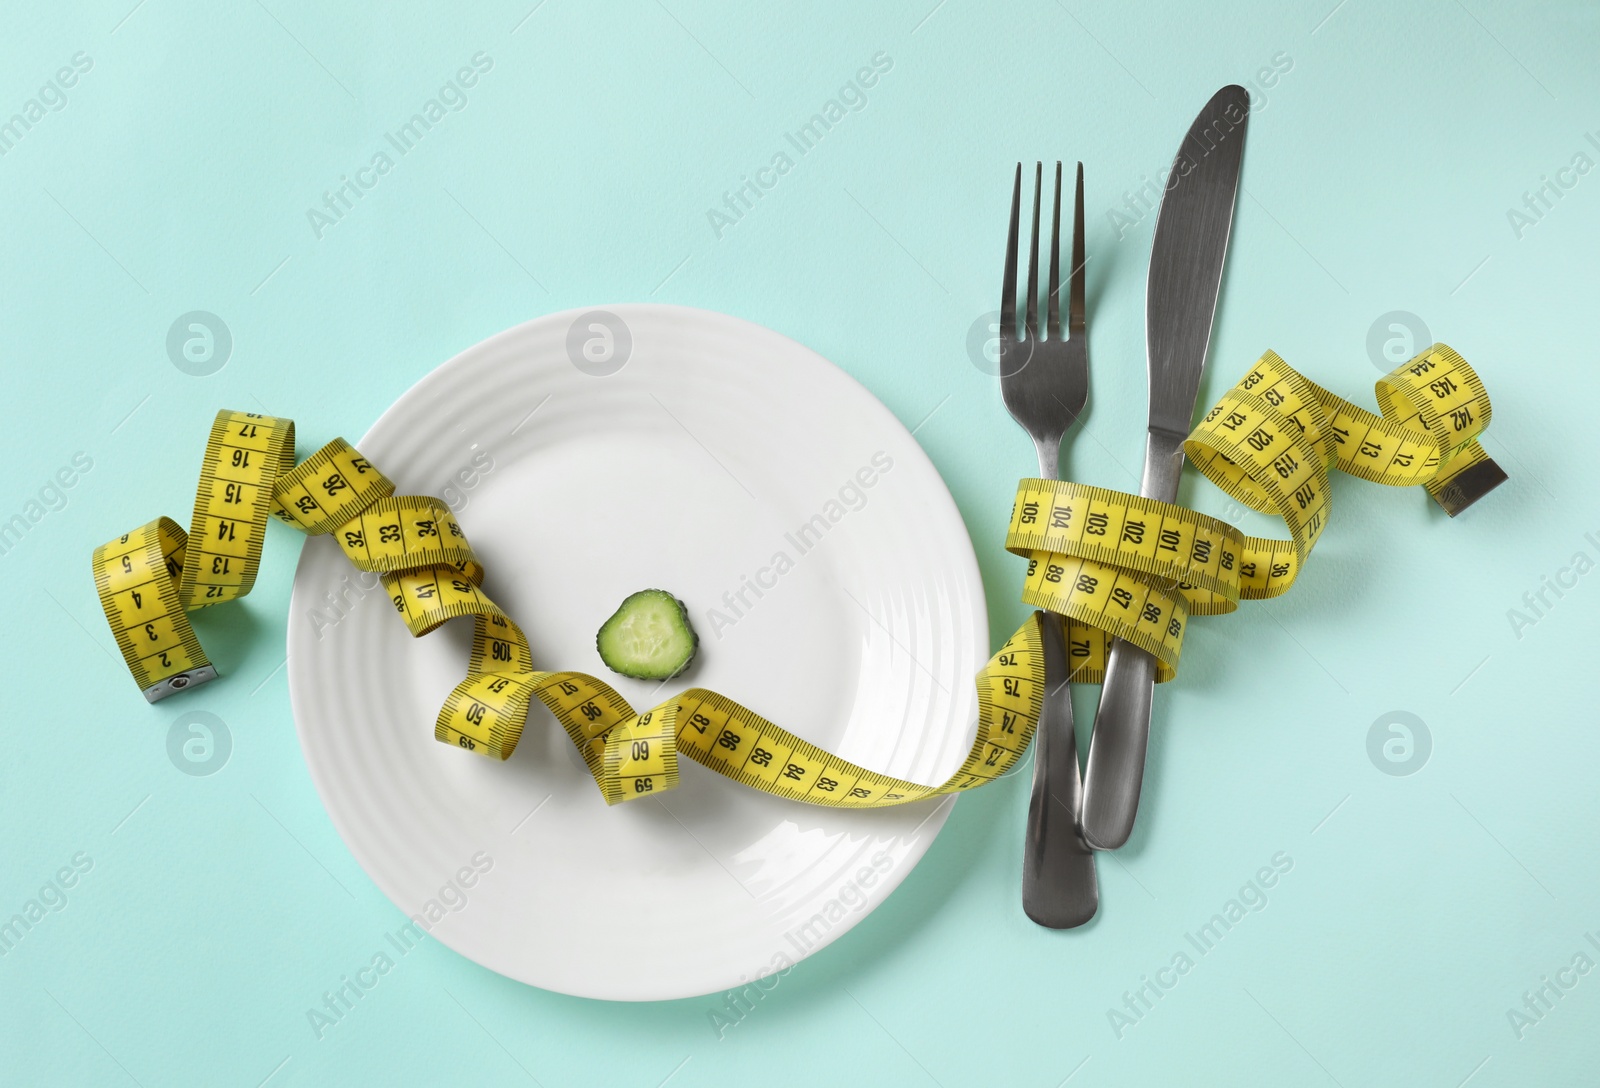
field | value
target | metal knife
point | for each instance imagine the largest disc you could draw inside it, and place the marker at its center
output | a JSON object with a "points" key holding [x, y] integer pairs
{"points": [[1186, 257]]}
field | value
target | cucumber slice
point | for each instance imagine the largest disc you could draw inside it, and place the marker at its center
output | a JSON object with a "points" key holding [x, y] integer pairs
{"points": [[648, 637]]}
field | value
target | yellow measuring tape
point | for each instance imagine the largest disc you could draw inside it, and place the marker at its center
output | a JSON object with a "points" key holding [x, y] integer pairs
{"points": [[1119, 566], [1113, 564]]}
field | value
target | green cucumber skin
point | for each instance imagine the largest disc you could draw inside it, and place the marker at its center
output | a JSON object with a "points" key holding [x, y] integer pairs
{"points": [[617, 662]]}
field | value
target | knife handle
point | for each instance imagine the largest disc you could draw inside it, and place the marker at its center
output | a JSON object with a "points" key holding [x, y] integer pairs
{"points": [[1114, 774]]}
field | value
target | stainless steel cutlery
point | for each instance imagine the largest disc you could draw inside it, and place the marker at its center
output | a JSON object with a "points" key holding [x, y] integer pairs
{"points": [[1044, 382]]}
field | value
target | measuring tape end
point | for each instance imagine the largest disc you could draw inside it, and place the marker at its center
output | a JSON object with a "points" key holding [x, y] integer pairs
{"points": [[183, 681], [1468, 486]]}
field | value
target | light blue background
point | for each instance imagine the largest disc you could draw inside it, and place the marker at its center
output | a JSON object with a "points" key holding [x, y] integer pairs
{"points": [[1378, 177]]}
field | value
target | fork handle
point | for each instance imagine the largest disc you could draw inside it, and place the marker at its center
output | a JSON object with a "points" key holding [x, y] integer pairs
{"points": [[1114, 773], [1059, 886], [1049, 457]]}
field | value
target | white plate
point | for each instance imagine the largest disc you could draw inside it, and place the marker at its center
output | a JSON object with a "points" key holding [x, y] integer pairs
{"points": [[690, 469]]}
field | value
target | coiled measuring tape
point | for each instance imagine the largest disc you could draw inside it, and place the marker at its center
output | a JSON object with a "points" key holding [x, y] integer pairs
{"points": [[1113, 564], [1119, 566]]}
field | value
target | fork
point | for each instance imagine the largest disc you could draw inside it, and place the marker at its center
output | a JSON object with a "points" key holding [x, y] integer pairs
{"points": [[1044, 380]]}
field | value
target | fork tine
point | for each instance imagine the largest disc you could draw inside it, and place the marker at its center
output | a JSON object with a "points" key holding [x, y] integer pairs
{"points": [[1008, 288], [1033, 257], [1075, 303], [1053, 294]]}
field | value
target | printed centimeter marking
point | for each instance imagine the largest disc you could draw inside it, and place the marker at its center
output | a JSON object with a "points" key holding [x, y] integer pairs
{"points": [[244, 454], [134, 579]]}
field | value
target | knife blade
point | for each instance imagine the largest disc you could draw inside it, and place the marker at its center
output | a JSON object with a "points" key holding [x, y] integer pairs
{"points": [[1186, 259]]}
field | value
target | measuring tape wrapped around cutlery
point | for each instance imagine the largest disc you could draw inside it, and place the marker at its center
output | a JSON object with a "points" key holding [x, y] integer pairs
{"points": [[1114, 564], [1120, 566]]}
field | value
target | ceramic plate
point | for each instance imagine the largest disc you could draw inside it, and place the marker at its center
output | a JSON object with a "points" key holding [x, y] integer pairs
{"points": [[587, 455]]}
